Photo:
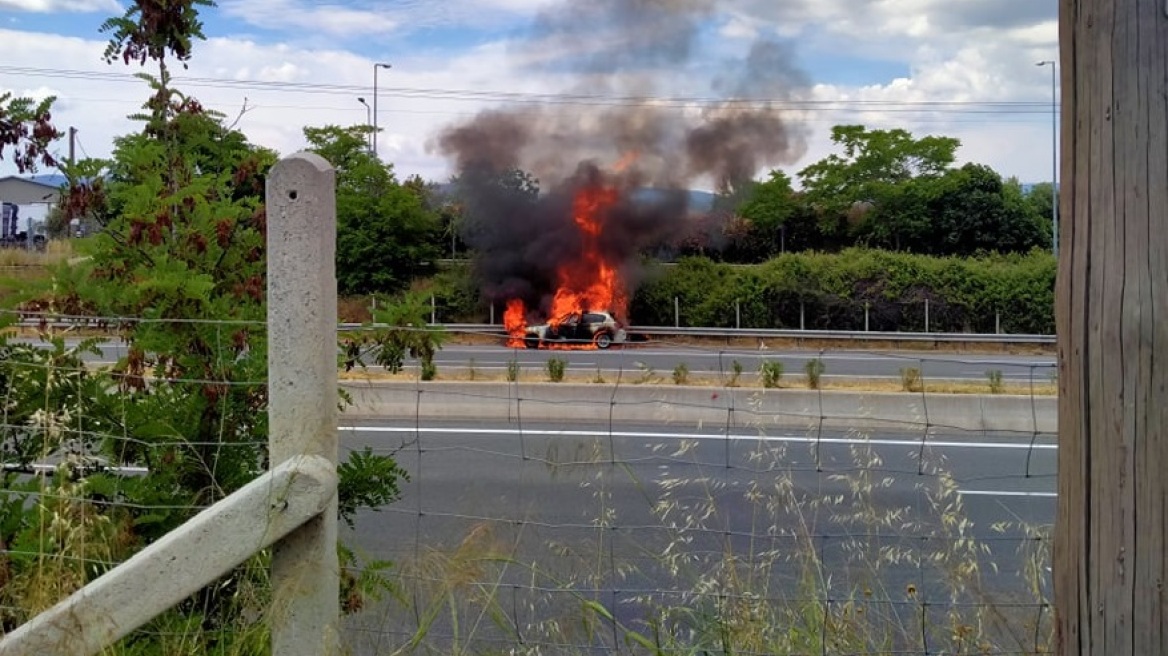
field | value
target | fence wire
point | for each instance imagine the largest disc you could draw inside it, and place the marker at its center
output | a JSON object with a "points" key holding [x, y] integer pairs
{"points": [[661, 499]]}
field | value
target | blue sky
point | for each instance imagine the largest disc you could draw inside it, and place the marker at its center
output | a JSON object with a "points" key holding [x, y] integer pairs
{"points": [[881, 63]]}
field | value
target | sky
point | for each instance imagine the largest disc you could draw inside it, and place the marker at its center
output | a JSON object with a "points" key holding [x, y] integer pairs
{"points": [[961, 68]]}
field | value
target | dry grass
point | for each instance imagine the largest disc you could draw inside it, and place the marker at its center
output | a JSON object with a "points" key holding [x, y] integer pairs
{"points": [[534, 374], [55, 252]]}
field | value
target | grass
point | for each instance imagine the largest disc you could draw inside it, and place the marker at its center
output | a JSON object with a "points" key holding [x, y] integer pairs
{"points": [[720, 569]]}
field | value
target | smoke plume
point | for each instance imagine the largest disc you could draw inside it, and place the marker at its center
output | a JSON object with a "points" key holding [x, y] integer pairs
{"points": [[622, 122]]}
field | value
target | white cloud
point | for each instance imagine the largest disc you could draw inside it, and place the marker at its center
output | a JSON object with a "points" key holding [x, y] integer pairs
{"points": [[962, 57], [295, 15], [50, 6]]}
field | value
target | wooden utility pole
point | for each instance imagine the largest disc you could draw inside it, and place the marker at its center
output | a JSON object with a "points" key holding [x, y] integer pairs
{"points": [[1111, 530]]}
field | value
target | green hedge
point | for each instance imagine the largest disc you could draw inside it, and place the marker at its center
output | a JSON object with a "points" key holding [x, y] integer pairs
{"points": [[964, 294], [832, 290]]}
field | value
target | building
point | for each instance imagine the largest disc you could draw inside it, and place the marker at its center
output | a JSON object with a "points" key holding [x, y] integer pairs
{"points": [[33, 199]]}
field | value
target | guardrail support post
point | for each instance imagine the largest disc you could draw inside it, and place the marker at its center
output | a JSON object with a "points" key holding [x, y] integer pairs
{"points": [[433, 309], [802, 317], [302, 393], [926, 315], [738, 314], [998, 322], [866, 308], [492, 313], [676, 312]]}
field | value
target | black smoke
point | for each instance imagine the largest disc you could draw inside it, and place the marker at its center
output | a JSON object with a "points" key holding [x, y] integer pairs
{"points": [[622, 122]]}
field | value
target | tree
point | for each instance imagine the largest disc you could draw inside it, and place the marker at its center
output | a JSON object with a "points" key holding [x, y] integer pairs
{"points": [[386, 234], [872, 163], [1110, 556], [183, 259]]}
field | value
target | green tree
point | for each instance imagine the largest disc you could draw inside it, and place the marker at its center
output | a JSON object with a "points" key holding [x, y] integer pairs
{"points": [[873, 162], [183, 258], [386, 233]]}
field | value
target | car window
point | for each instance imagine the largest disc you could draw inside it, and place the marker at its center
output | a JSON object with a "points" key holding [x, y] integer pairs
{"points": [[595, 318]]}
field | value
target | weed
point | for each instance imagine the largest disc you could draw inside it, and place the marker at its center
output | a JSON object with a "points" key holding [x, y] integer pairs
{"points": [[771, 372], [910, 379], [429, 369], [555, 369], [599, 380], [471, 372], [648, 375], [512, 370], [681, 374], [814, 370], [735, 373], [995, 378]]}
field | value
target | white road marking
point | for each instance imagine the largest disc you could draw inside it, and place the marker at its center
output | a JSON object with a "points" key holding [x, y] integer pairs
{"points": [[1000, 493], [786, 439]]}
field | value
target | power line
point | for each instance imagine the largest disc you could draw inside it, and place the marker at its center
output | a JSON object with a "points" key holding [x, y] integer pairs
{"points": [[951, 106]]}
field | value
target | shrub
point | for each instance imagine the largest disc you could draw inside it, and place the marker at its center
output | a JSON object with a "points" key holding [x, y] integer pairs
{"points": [[814, 370], [681, 374], [512, 370], [771, 373], [556, 368], [995, 378], [735, 373]]}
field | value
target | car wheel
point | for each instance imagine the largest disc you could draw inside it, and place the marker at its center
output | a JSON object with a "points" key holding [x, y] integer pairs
{"points": [[531, 342], [603, 340]]}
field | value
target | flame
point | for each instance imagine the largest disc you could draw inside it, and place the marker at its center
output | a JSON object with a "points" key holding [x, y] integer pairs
{"points": [[515, 321], [588, 282]]}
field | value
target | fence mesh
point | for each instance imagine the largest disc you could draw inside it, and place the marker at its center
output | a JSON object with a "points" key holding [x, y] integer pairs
{"points": [[667, 498]]}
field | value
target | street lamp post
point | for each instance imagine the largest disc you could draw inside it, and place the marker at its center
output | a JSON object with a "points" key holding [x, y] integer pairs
{"points": [[375, 67], [368, 114], [1053, 153]]}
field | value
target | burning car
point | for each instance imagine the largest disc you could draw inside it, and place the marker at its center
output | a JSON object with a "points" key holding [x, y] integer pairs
{"points": [[594, 327]]}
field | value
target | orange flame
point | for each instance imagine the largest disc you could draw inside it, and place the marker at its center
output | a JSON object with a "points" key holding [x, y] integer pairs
{"points": [[515, 321], [589, 282]]}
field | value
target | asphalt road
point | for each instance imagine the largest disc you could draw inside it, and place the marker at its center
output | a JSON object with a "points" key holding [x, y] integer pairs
{"points": [[634, 361], [554, 508]]}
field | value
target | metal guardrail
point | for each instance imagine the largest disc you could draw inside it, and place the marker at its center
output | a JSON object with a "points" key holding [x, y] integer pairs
{"points": [[726, 333]]}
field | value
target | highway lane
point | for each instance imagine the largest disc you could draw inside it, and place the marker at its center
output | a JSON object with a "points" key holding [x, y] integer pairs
{"points": [[635, 361], [602, 509]]}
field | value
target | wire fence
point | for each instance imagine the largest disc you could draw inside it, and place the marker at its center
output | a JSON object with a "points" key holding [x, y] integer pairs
{"points": [[884, 503]]}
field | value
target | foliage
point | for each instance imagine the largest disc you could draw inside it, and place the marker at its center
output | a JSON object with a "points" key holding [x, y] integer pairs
{"points": [[770, 372], [814, 370], [512, 370], [965, 294], [681, 374], [386, 234], [26, 129], [401, 330], [367, 481], [182, 259], [873, 161], [555, 369], [994, 376]]}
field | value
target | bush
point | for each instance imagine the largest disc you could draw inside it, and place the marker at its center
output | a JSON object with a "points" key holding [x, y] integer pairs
{"points": [[512, 371], [556, 368], [814, 370], [770, 372], [681, 374], [964, 294], [995, 378]]}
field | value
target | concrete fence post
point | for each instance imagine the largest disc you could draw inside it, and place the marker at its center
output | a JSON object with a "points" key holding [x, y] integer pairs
{"points": [[302, 393]]}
